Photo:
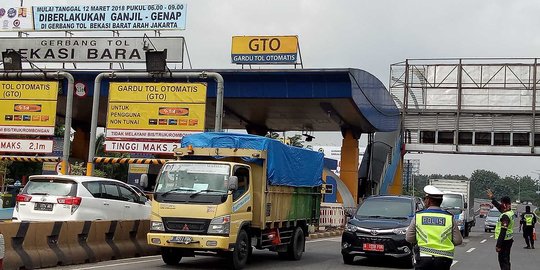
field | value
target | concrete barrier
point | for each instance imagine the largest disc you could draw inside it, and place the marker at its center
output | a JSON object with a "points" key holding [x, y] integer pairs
{"points": [[332, 215], [32, 245]]}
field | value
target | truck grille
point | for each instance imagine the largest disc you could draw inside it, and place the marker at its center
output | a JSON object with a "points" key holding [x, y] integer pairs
{"points": [[186, 226]]}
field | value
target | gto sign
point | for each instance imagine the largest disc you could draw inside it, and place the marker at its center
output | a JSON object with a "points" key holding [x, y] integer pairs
{"points": [[96, 49]]}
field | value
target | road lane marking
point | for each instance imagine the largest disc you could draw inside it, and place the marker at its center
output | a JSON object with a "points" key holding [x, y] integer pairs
{"points": [[335, 239], [470, 250], [491, 236], [483, 241], [119, 264], [454, 262]]}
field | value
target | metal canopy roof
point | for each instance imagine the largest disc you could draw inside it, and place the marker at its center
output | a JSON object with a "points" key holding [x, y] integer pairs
{"points": [[281, 99]]}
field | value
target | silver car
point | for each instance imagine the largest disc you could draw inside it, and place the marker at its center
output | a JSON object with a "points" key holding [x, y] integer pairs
{"points": [[491, 220]]}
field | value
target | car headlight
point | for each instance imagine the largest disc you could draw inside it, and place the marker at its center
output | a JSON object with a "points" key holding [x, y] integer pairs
{"points": [[157, 226], [220, 225], [351, 228], [400, 231]]}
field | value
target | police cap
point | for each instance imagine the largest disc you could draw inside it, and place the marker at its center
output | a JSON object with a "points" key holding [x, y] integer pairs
{"points": [[433, 192]]}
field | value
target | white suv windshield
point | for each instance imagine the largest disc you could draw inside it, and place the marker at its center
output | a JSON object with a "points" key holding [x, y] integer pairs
{"points": [[194, 177], [54, 187], [494, 214]]}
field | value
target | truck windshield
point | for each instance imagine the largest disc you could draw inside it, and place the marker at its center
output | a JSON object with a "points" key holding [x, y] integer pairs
{"points": [[452, 201], [193, 177]]}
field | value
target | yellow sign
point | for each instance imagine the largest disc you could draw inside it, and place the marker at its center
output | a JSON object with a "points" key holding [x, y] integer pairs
{"points": [[28, 90], [49, 166], [31, 113], [156, 116], [138, 168], [264, 44], [157, 92]]}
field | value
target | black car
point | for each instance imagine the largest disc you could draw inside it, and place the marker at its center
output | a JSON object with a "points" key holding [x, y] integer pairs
{"points": [[378, 227]]}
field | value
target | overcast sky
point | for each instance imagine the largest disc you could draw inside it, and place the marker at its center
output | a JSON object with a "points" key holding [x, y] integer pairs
{"points": [[369, 35]]}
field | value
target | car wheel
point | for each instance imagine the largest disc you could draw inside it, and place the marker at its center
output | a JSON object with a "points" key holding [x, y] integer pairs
{"points": [[170, 256], [348, 259], [240, 255], [486, 230], [410, 261]]}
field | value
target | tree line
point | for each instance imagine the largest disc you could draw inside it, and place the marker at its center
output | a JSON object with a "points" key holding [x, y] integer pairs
{"points": [[521, 188]]}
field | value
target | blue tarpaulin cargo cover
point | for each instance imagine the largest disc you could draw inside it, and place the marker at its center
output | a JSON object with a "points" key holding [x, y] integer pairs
{"points": [[286, 165]]}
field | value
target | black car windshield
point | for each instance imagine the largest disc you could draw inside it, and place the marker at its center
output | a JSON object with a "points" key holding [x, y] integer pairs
{"points": [[385, 208], [193, 177]]}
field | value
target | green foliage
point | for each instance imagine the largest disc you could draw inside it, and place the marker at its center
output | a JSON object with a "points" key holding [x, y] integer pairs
{"points": [[481, 180], [114, 171], [79, 168]]}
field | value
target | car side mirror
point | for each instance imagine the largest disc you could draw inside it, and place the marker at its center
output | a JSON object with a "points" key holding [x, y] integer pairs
{"points": [[465, 205], [143, 199], [233, 183], [349, 212]]}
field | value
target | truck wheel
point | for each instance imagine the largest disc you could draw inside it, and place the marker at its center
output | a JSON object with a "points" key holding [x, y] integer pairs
{"points": [[240, 255], [170, 256], [297, 245]]}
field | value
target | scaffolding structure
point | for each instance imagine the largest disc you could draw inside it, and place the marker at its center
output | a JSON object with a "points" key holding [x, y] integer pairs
{"points": [[468, 105]]}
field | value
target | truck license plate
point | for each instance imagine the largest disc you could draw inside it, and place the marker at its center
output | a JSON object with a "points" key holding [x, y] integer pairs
{"points": [[373, 247], [181, 240]]}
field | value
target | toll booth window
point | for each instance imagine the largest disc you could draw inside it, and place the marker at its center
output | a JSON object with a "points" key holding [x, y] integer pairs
{"points": [[329, 189], [243, 181]]}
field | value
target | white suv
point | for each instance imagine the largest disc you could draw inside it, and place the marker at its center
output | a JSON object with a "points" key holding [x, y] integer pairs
{"points": [[68, 197]]}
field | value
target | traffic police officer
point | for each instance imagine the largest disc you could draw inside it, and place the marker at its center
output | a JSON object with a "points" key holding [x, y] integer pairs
{"points": [[528, 220], [435, 232], [504, 230]]}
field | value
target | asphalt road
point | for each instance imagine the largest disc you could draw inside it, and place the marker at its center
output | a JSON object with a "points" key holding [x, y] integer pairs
{"points": [[478, 252]]}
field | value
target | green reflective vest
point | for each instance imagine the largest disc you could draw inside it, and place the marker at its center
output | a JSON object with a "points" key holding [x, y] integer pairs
{"points": [[434, 233], [509, 230], [528, 219]]}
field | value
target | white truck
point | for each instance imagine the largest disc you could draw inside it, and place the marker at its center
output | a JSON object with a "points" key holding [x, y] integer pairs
{"points": [[457, 200]]}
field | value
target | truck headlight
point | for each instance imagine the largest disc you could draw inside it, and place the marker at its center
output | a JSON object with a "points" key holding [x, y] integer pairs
{"points": [[157, 226], [400, 231], [351, 228], [220, 225]]}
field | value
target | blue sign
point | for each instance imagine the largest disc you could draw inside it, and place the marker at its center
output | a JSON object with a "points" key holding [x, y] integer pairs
{"points": [[113, 17]]}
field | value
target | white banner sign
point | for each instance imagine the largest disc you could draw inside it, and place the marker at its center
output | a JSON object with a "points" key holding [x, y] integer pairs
{"points": [[26, 146], [96, 49], [110, 17], [13, 18], [146, 134], [26, 130], [141, 147]]}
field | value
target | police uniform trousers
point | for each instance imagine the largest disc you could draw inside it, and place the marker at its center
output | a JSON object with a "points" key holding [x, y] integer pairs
{"points": [[504, 254], [528, 235], [432, 263]]}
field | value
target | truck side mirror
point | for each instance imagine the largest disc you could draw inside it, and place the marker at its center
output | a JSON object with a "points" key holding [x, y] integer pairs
{"points": [[233, 183]]}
